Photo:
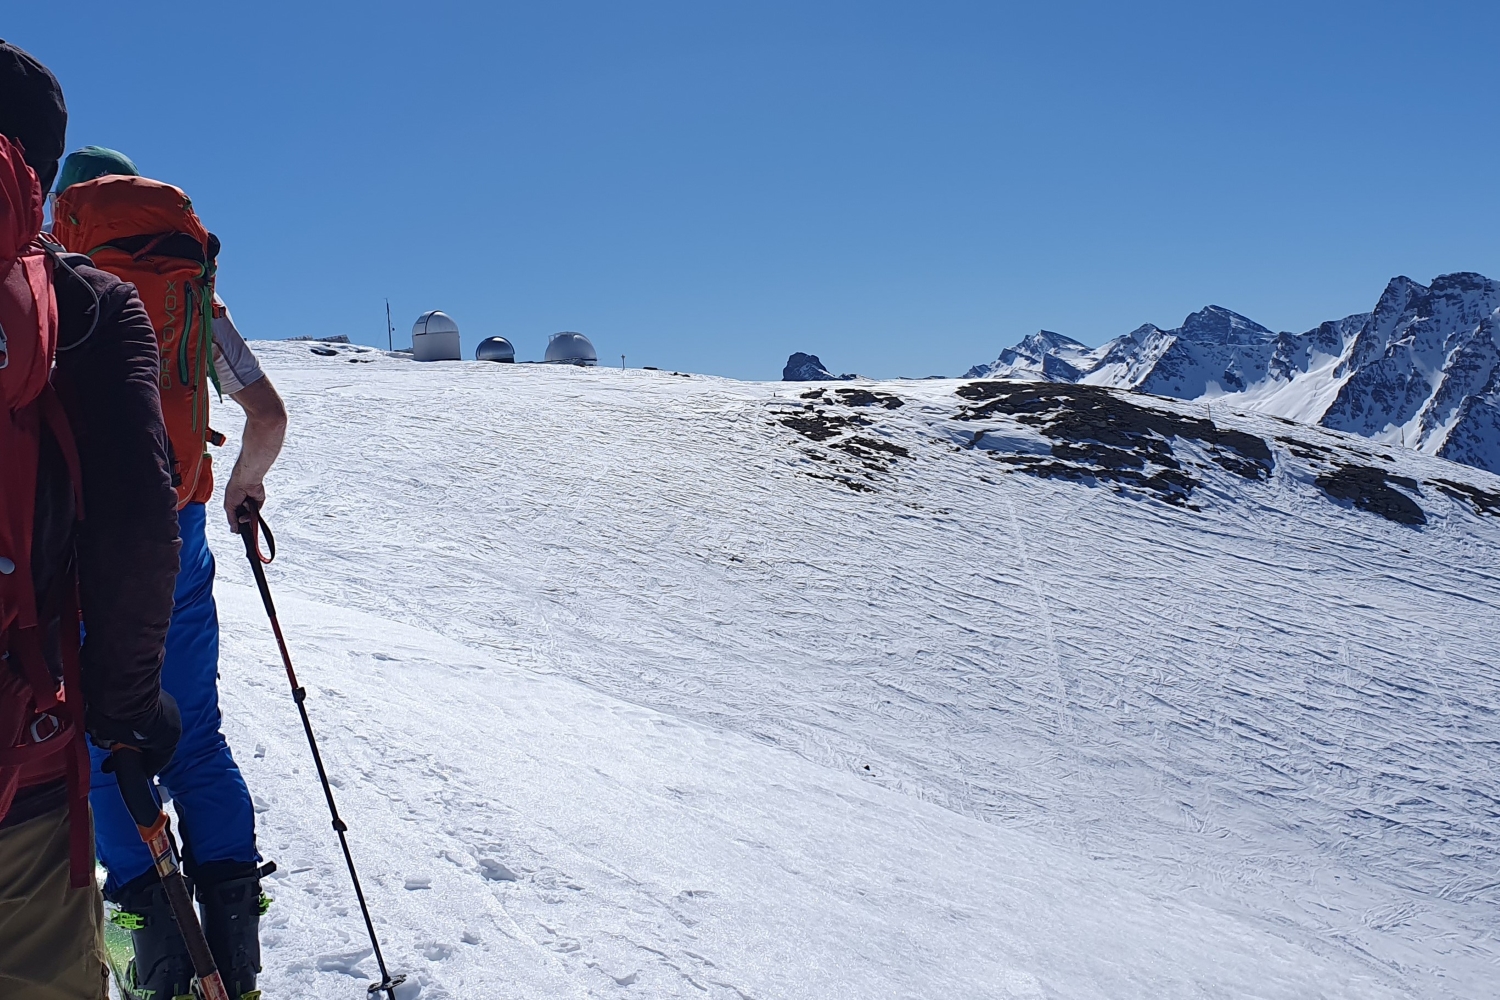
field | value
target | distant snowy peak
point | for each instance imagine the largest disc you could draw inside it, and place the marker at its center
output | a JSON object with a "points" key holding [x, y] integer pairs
{"points": [[1044, 356], [1422, 369], [1214, 351], [1217, 325]]}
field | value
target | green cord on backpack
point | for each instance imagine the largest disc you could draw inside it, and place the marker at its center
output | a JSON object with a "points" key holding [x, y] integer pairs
{"points": [[147, 233]]}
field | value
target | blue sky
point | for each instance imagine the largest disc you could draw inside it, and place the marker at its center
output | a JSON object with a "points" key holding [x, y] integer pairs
{"points": [[900, 188]]}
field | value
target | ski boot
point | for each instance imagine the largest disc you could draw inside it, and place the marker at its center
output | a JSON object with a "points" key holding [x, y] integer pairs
{"points": [[232, 904], [161, 968]]}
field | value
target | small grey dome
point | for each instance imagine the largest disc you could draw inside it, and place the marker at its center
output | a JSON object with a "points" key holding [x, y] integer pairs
{"points": [[494, 349], [570, 349], [434, 337], [435, 321]]}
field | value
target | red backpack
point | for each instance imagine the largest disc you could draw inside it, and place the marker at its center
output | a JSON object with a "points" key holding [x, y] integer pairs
{"points": [[41, 714], [146, 232]]}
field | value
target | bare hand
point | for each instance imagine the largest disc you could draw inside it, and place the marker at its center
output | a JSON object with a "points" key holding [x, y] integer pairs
{"points": [[235, 494]]}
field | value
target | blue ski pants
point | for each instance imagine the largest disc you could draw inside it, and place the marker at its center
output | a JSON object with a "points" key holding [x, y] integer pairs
{"points": [[215, 817]]}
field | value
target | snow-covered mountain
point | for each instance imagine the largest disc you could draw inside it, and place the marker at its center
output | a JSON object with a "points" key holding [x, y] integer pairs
{"points": [[1422, 369], [638, 685], [1045, 355]]}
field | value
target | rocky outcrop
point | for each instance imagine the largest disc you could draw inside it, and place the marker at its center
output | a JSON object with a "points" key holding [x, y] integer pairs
{"points": [[807, 368]]}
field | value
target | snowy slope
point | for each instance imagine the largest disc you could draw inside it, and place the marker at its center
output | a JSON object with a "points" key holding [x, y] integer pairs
{"points": [[1421, 370], [640, 684]]}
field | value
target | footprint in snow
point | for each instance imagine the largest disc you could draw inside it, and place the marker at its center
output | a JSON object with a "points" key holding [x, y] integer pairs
{"points": [[346, 962], [416, 985], [419, 882], [495, 871]]}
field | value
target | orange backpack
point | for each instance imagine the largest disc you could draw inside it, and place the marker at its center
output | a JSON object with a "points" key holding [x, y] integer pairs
{"points": [[41, 713], [146, 232]]}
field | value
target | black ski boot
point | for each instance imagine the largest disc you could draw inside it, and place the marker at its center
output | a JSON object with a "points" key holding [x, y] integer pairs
{"points": [[161, 969], [230, 899]]}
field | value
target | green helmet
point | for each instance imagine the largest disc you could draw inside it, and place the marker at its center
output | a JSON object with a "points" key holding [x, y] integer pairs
{"points": [[93, 161]]}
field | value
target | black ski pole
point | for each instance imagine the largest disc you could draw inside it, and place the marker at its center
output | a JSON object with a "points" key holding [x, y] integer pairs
{"points": [[250, 523], [156, 832]]}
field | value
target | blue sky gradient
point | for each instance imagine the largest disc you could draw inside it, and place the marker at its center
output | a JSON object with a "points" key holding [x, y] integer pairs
{"points": [[902, 189]]}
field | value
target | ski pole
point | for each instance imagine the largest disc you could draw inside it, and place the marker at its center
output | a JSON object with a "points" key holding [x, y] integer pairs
{"points": [[250, 523], [156, 831]]}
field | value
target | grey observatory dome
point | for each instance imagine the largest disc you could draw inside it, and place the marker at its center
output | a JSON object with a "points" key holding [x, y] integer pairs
{"points": [[494, 349], [570, 349], [434, 337]]}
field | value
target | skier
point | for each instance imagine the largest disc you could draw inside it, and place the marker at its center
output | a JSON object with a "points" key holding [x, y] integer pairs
{"points": [[103, 205], [82, 387]]}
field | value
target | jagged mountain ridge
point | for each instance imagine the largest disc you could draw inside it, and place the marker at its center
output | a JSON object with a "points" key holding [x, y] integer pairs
{"points": [[1422, 369]]}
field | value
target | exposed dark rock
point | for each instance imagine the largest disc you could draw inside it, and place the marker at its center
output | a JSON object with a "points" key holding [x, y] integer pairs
{"points": [[854, 484], [1303, 449], [871, 448], [859, 456], [1170, 485], [1101, 434], [866, 397], [820, 425], [856, 397], [1483, 501], [1371, 489]]}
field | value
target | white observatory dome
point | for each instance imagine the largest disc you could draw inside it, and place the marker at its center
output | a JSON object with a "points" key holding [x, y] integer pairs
{"points": [[494, 349], [570, 349], [434, 337]]}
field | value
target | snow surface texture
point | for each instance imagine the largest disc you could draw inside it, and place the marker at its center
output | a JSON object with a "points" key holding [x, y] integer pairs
{"points": [[1422, 370], [641, 685]]}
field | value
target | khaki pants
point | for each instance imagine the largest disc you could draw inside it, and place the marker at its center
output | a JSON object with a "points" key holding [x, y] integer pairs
{"points": [[51, 935]]}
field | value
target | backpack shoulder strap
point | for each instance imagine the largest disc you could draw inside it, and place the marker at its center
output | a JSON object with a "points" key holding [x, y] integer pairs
{"points": [[47, 720]]}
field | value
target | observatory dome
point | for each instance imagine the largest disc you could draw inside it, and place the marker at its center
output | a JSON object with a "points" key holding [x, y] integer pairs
{"points": [[494, 349], [570, 349], [434, 337]]}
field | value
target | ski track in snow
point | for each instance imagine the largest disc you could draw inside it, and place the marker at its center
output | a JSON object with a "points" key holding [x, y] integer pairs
{"points": [[622, 701]]}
